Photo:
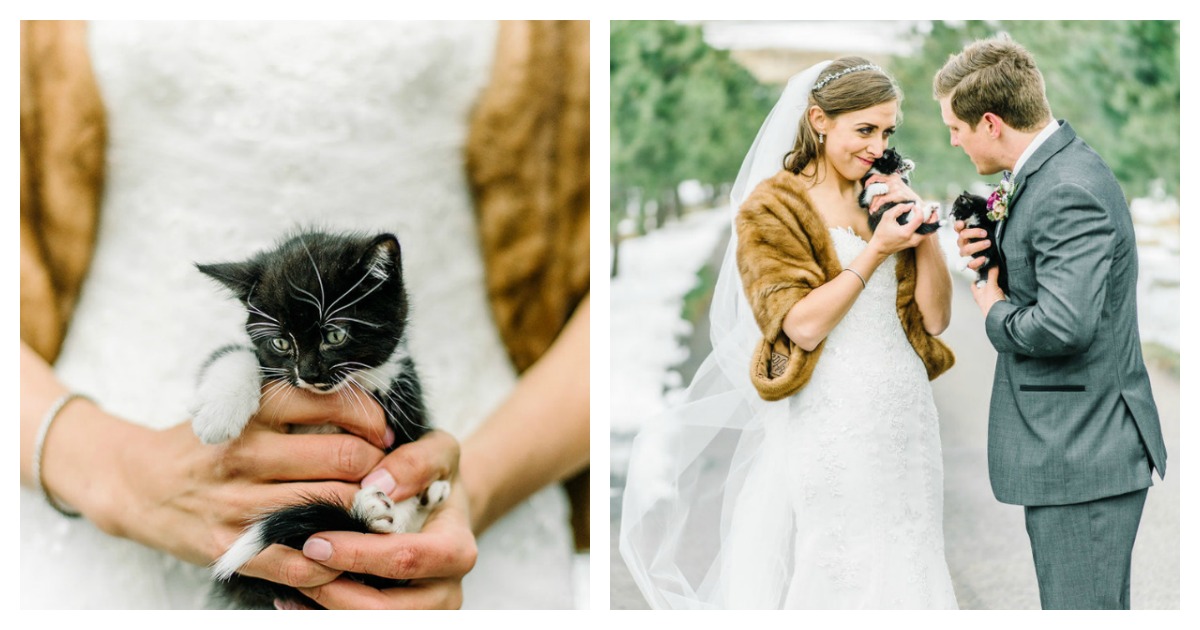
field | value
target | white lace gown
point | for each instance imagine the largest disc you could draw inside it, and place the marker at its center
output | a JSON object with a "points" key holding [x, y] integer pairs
{"points": [[859, 457], [222, 136]]}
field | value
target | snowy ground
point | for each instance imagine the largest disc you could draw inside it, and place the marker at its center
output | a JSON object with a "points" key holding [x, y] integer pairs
{"points": [[646, 299]]}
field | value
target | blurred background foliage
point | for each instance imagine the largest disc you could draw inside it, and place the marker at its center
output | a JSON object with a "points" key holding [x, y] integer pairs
{"points": [[684, 111], [681, 110], [1117, 82]]}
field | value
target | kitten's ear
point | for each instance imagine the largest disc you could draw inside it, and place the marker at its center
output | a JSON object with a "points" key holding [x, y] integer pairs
{"points": [[382, 255], [237, 277]]}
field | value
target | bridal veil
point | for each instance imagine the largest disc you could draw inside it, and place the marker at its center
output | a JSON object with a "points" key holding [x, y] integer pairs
{"points": [[696, 464]]}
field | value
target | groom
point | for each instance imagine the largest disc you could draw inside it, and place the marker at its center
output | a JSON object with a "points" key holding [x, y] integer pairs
{"points": [[1073, 431]]}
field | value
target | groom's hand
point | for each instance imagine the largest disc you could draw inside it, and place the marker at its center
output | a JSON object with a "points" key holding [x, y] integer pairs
{"points": [[988, 294], [967, 249]]}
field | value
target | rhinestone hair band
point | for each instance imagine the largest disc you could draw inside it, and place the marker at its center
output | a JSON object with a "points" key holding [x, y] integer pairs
{"points": [[866, 66]]}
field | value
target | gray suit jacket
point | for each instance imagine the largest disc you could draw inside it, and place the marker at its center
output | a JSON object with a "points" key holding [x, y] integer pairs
{"points": [[1072, 417]]}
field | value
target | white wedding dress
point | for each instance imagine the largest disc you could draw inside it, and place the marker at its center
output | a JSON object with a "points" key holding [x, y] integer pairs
{"points": [[858, 461], [829, 499], [222, 136]]}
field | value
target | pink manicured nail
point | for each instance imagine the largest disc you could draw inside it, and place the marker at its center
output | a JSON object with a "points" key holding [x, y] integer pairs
{"points": [[389, 437], [318, 549], [381, 479]]}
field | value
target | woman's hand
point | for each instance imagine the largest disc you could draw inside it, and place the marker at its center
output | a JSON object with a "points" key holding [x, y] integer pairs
{"points": [[891, 237], [170, 492], [897, 237], [435, 560]]}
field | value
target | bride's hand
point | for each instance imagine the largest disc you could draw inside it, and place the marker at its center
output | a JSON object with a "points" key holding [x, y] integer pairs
{"points": [[891, 237], [434, 560], [192, 500]]}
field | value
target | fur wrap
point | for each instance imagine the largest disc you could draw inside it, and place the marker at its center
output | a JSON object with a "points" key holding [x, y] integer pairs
{"points": [[527, 161], [62, 168], [784, 251]]}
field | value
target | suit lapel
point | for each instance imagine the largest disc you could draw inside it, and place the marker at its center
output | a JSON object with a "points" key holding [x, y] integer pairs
{"points": [[1055, 143]]}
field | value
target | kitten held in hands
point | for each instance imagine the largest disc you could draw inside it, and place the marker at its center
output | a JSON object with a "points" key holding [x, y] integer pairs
{"points": [[326, 313], [890, 162], [972, 210]]}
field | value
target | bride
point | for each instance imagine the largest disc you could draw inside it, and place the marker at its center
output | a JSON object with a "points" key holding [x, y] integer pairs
{"points": [[813, 479], [178, 142]]}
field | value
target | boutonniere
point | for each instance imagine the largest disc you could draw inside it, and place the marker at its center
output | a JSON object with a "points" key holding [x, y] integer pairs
{"points": [[997, 203]]}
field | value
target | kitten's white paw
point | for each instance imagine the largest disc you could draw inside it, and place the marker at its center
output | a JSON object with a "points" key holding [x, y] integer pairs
{"points": [[385, 517], [227, 397], [435, 494], [374, 507], [215, 422], [878, 188]]}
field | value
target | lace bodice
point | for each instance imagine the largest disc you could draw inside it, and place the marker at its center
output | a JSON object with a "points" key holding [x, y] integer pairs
{"points": [[869, 344], [222, 136]]}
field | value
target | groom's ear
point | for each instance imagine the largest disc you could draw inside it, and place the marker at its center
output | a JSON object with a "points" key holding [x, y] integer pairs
{"points": [[994, 123]]}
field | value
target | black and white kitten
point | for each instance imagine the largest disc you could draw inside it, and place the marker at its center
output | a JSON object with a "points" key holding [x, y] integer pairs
{"points": [[972, 210], [326, 313], [890, 162]]}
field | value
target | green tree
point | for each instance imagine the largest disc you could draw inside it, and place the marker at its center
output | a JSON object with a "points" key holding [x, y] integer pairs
{"points": [[1117, 82], [680, 110]]}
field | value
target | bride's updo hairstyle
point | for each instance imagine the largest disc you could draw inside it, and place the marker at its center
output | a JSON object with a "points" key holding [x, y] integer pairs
{"points": [[844, 86]]}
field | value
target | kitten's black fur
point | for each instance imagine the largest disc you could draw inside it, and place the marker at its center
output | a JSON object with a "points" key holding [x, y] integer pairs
{"points": [[322, 309], [890, 162], [972, 211]]}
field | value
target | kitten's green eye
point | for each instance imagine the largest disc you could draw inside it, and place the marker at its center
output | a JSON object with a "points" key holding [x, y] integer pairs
{"points": [[280, 344], [335, 336]]}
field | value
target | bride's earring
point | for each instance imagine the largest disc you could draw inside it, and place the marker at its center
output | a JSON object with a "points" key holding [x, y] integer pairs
{"points": [[820, 138]]}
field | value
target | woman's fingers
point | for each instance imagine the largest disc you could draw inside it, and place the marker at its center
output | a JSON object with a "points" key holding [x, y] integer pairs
{"points": [[346, 594], [271, 456], [285, 565], [429, 554], [349, 408], [915, 219], [412, 467], [279, 563], [444, 548]]}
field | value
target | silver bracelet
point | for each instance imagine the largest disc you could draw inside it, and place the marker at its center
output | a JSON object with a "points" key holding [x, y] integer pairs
{"points": [[40, 444], [860, 278]]}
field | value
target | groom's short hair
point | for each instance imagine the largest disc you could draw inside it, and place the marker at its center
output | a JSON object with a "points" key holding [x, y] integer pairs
{"points": [[995, 75]]}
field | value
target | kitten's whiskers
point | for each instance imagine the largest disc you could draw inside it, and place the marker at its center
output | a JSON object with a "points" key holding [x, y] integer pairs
{"points": [[360, 281], [320, 283], [274, 389], [257, 311], [356, 321], [312, 299]]}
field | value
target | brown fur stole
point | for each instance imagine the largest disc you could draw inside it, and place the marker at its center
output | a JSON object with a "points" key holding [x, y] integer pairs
{"points": [[62, 167], [784, 252]]}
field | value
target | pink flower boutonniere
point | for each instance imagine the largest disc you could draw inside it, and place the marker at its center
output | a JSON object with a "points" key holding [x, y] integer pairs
{"points": [[997, 203]]}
